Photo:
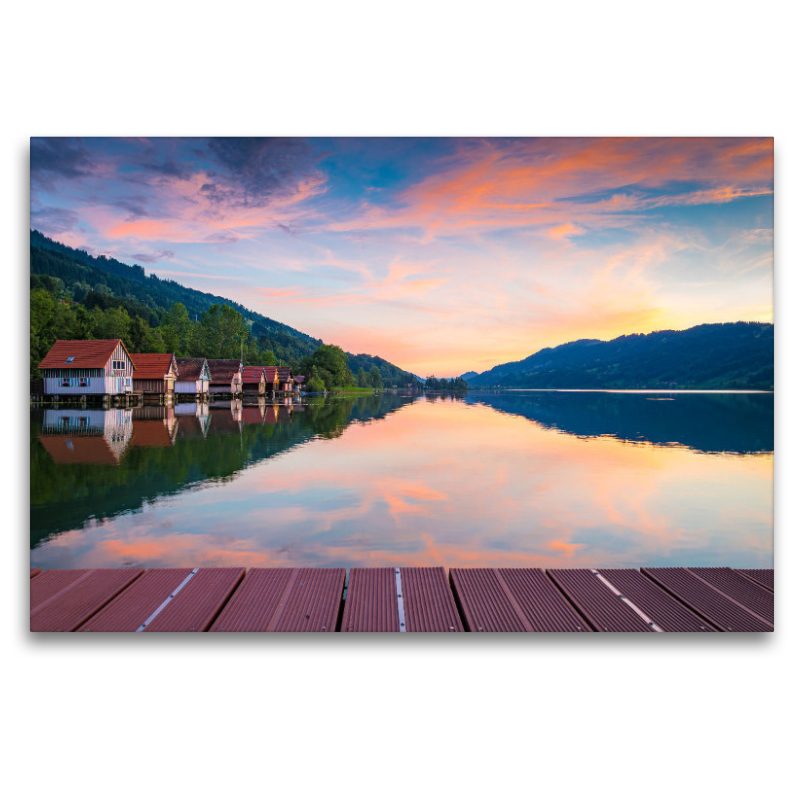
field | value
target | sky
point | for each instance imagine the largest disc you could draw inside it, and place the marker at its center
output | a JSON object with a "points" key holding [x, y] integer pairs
{"points": [[441, 255]]}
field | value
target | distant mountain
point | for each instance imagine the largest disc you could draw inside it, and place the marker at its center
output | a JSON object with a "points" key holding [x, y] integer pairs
{"points": [[468, 376], [149, 297], [733, 355]]}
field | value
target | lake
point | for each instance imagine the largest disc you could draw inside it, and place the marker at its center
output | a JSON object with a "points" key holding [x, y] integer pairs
{"points": [[504, 478]]}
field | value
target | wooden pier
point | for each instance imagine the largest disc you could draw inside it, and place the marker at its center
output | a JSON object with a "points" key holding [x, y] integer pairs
{"points": [[402, 600]]}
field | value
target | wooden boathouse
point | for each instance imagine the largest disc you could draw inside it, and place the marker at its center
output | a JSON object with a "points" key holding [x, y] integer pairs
{"points": [[193, 377], [285, 379], [270, 380], [154, 374], [225, 377], [77, 368], [253, 380]]}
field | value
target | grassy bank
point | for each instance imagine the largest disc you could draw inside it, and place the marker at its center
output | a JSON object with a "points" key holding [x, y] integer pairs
{"points": [[351, 390]]}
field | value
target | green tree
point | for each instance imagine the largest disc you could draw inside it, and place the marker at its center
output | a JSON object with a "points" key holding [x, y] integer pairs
{"points": [[374, 379], [330, 363], [223, 332], [113, 323], [361, 378], [177, 330]]}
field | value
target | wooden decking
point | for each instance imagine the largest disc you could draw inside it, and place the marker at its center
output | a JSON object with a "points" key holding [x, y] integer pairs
{"points": [[405, 599]]}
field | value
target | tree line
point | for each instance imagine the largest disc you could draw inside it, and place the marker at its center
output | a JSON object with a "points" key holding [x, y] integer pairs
{"points": [[434, 384]]}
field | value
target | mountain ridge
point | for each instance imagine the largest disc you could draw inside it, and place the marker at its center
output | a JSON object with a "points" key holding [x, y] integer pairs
{"points": [[726, 355]]}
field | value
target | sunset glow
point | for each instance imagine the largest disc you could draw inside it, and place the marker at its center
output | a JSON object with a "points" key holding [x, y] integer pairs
{"points": [[440, 255]]}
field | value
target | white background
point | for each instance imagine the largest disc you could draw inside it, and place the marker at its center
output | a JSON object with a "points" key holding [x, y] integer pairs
{"points": [[602, 716]]}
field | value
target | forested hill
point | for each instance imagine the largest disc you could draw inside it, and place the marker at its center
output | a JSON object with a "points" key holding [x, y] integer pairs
{"points": [[734, 355], [99, 282]]}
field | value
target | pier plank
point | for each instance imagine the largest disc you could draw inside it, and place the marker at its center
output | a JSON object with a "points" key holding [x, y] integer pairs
{"points": [[314, 601], [428, 602], [738, 588], [486, 606], [197, 604], [606, 612], [65, 602], [371, 604], [545, 607], [668, 613], [51, 583], [763, 577], [716, 607], [131, 608], [283, 599], [508, 600]]}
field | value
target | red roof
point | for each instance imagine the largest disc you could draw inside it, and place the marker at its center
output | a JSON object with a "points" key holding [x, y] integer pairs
{"points": [[151, 366], [271, 373], [80, 354], [222, 370], [252, 374], [190, 369]]}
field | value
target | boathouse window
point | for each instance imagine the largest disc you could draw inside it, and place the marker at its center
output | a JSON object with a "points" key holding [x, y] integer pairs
{"points": [[84, 382], [65, 381], [118, 365]]}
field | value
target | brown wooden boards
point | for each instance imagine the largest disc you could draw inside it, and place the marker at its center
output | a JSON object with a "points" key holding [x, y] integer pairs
{"points": [[722, 611], [52, 582], [605, 610], [371, 605], [428, 603], [544, 606], [495, 600], [64, 602], [740, 589], [284, 600], [255, 602], [131, 609], [763, 577], [669, 614], [403, 599], [407, 599], [197, 604]]}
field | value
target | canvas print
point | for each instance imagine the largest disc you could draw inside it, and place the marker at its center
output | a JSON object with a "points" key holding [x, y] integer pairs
{"points": [[459, 385]]}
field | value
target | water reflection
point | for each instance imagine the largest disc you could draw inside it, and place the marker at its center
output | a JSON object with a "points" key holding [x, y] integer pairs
{"points": [[388, 479], [710, 423], [162, 451]]}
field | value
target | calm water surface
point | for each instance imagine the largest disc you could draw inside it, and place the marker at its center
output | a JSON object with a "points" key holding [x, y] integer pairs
{"points": [[492, 479]]}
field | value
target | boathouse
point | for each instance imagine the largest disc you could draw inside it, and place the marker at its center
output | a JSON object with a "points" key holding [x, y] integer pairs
{"points": [[270, 380], [88, 367], [225, 376], [253, 380], [299, 383], [193, 377], [285, 379], [154, 373]]}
